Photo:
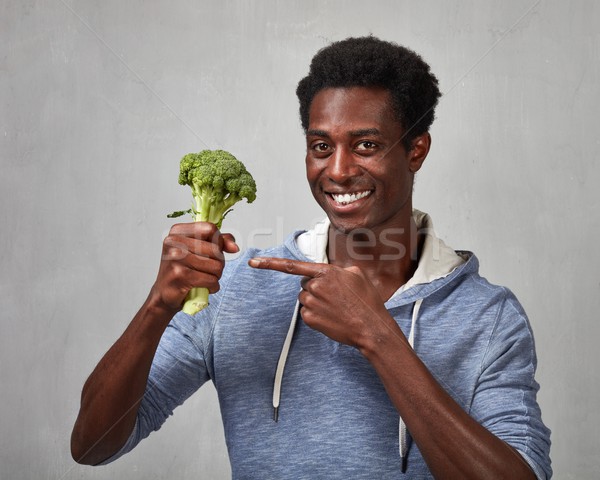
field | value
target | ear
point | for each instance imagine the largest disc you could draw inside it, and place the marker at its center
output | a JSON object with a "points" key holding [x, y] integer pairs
{"points": [[418, 152]]}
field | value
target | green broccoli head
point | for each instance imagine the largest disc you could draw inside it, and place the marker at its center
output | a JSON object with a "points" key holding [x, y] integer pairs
{"points": [[218, 180]]}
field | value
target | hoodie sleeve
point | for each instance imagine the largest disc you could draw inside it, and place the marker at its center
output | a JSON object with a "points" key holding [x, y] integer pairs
{"points": [[183, 362], [505, 397], [178, 370]]}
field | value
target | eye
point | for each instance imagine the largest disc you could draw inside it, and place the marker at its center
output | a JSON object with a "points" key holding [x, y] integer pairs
{"points": [[320, 147], [366, 146]]}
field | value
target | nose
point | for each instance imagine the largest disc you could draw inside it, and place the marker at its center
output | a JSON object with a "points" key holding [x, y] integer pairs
{"points": [[342, 166]]}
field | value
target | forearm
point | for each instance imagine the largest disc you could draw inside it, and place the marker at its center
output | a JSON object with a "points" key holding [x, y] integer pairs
{"points": [[112, 394], [453, 444]]}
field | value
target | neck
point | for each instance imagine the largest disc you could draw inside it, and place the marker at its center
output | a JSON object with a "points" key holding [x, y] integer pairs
{"points": [[388, 256]]}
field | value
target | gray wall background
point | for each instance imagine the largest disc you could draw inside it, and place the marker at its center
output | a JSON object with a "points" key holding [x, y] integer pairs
{"points": [[100, 100]]}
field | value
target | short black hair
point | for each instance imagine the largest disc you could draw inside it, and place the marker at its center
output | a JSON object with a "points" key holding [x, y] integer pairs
{"points": [[371, 62]]}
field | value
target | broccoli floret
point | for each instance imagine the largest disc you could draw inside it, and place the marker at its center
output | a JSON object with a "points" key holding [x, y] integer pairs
{"points": [[218, 181]]}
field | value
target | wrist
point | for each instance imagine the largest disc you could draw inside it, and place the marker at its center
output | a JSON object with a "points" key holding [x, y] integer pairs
{"points": [[383, 334], [157, 307]]}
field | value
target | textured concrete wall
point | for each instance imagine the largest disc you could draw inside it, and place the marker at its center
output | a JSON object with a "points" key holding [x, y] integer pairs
{"points": [[100, 100]]}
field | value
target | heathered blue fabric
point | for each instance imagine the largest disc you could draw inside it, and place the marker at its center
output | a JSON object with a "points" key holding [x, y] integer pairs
{"points": [[336, 420]]}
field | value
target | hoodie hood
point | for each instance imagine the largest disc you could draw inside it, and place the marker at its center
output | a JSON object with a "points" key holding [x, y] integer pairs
{"points": [[436, 259]]}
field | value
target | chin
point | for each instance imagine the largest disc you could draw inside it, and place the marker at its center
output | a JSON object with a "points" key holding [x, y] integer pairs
{"points": [[346, 227]]}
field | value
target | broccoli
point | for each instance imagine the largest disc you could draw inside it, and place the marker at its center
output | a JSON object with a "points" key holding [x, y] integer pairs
{"points": [[218, 181]]}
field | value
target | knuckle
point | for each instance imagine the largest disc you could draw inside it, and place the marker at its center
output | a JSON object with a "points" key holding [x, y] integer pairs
{"points": [[214, 287], [289, 266], [355, 270], [168, 240], [307, 315], [207, 230], [306, 299], [174, 230], [173, 253], [322, 272], [178, 270]]}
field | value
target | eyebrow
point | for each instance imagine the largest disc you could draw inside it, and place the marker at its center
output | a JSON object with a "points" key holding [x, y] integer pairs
{"points": [[365, 132], [354, 133], [316, 133]]}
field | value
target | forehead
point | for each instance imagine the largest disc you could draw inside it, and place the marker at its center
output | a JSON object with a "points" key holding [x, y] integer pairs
{"points": [[351, 108]]}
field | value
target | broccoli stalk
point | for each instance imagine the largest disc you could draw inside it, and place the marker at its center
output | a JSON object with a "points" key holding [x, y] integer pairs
{"points": [[218, 181]]}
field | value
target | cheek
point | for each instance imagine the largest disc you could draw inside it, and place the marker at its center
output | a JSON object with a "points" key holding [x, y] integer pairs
{"points": [[399, 184], [312, 171]]}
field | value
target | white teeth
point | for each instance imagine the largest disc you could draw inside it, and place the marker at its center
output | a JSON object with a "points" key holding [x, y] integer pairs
{"points": [[347, 198]]}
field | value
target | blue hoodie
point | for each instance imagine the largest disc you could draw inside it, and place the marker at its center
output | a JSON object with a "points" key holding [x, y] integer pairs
{"points": [[334, 418]]}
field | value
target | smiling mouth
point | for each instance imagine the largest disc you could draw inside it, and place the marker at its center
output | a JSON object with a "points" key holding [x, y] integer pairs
{"points": [[348, 198]]}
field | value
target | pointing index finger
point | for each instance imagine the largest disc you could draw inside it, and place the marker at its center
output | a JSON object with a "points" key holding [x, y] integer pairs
{"points": [[286, 265]]}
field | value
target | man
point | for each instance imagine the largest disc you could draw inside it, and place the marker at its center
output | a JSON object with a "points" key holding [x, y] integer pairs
{"points": [[395, 360]]}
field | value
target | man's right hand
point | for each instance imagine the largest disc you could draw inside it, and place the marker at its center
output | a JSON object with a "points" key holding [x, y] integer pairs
{"points": [[192, 256]]}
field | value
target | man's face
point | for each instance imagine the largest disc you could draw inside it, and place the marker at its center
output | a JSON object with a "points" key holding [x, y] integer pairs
{"points": [[357, 168]]}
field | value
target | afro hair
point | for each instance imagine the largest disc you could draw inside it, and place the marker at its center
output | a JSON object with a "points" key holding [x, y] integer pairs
{"points": [[371, 62]]}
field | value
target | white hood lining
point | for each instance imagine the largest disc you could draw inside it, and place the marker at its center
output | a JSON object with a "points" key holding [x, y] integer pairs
{"points": [[436, 260]]}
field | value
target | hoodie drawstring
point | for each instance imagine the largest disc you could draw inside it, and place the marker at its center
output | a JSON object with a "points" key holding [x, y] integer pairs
{"points": [[403, 433], [281, 363]]}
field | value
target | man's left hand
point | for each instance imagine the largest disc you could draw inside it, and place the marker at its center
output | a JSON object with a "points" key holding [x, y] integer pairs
{"points": [[341, 303]]}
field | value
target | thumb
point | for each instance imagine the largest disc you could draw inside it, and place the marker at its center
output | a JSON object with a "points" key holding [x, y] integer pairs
{"points": [[229, 244]]}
